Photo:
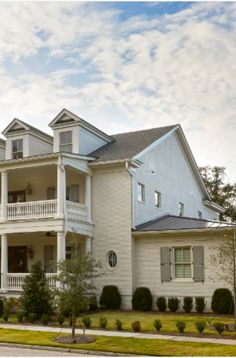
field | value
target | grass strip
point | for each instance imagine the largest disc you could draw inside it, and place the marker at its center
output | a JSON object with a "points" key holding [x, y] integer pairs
{"points": [[121, 345]]}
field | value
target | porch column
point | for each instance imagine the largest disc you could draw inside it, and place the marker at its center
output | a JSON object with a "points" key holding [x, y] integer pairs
{"points": [[4, 263], [4, 196], [61, 190], [88, 245], [61, 246], [88, 201]]}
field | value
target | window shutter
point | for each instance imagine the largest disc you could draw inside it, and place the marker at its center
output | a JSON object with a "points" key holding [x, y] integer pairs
{"points": [[51, 193], [165, 264], [74, 193], [198, 264]]}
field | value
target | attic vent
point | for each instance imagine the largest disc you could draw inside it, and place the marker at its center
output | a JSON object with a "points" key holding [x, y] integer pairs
{"points": [[16, 128], [65, 119]]}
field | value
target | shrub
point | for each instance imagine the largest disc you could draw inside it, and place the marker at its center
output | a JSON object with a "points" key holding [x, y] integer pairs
{"points": [[222, 301], [142, 299], [93, 306], [1, 308], [219, 327], [102, 322], [118, 324], [188, 304], [86, 322], [161, 304], [36, 297], [200, 304], [181, 325], [61, 319], [5, 316], [19, 316], [157, 324], [200, 325], [110, 297], [31, 317], [45, 319], [136, 326], [173, 304]]}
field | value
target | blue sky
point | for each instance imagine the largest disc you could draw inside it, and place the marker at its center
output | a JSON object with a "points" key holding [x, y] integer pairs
{"points": [[124, 66]]}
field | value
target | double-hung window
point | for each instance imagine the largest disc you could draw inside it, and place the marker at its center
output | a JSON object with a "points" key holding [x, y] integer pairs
{"points": [[65, 142], [17, 148], [141, 193], [182, 262], [157, 197]]}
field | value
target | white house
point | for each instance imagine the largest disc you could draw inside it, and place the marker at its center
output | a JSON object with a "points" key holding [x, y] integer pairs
{"points": [[135, 200]]}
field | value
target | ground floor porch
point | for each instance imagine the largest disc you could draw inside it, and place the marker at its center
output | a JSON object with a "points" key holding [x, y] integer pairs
{"points": [[20, 251]]}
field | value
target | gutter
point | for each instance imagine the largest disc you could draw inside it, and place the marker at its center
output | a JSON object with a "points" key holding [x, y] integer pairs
{"points": [[213, 206], [180, 231]]}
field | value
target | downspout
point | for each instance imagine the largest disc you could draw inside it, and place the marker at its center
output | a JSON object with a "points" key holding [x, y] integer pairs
{"points": [[132, 193]]}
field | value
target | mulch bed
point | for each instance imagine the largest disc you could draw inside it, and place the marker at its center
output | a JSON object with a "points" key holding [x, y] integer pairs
{"points": [[82, 339]]}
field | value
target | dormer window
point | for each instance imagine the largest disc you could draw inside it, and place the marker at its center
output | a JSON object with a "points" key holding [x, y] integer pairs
{"points": [[65, 142], [17, 148]]}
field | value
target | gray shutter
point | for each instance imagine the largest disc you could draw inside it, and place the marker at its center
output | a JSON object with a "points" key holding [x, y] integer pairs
{"points": [[165, 264], [74, 193], [51, 193], [198, 264]]}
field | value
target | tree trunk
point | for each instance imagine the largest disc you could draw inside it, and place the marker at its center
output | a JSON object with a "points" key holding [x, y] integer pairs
{"points": [[73, 319]]}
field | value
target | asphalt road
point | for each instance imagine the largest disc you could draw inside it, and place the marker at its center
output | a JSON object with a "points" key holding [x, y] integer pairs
{"points": [[27, 352]]}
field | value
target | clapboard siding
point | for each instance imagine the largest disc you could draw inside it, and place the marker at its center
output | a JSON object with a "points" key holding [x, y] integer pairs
{"points": [[148, 273], [88, 142], [38, 146], [166, 170], [2, 153], [112, 218]]}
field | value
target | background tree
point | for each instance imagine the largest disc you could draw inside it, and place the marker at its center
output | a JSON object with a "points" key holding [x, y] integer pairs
{"points": [[76, 277], [224, 261], [221, 191], [37, 296]]}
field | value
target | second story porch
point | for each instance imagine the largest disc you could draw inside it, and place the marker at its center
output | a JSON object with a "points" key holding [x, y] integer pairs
{"points": [[57, 186]]}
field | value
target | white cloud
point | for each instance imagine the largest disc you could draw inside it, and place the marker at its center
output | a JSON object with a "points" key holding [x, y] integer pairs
{"points": [[147, 70]]}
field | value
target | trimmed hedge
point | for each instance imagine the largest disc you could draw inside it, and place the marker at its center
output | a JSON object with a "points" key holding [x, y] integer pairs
{"points": [[142, 299], [222, 301], [173, 304], [188, 304], [110, 297], [161, 304], [200, 304]]}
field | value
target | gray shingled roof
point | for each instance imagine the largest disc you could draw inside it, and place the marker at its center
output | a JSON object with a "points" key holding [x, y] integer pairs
{"points": [[171, 222], [127, 145]]}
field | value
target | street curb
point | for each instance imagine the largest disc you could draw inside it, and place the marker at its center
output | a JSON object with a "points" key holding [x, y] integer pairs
{"points": [[58, 349]]}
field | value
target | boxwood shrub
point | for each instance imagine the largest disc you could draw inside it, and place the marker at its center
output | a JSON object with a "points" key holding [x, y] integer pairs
{"points": [[142, 299], [161, 304], [110, 297], [222, 301], [173, 304], [188, 304]]}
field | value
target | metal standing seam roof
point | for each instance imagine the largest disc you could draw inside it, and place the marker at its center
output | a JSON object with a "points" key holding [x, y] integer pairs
{"points": [[171, 222], [127, 145]]}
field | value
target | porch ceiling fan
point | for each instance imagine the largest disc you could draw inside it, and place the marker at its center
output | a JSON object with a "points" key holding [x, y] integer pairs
{"points": [[49, 234]]}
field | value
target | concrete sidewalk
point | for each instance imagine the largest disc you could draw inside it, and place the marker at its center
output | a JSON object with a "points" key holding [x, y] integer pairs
{"points": [[96, 332]]}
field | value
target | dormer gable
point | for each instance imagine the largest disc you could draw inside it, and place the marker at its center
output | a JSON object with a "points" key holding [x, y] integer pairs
{"points": [[24, 140], [72, 133]]}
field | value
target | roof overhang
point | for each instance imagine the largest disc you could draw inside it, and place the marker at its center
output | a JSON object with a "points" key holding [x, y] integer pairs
{"points": [[213, 206], [130, 161]]}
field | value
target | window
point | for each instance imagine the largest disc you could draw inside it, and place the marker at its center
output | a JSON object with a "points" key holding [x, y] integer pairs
{"points": [[112, 259], [181, 209], [141, 192], [199, 214], [182, 260], [157, 196], [66, 142], [17, 148]]}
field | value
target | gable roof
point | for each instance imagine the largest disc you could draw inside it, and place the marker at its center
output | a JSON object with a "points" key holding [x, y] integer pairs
{"points": [[66, 117], [17, 125], [171, 222], [128, 145]]}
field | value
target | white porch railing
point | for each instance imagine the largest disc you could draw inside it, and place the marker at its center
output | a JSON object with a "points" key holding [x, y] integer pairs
{"points": [[15, 280], [76, 211], [32, 210]]}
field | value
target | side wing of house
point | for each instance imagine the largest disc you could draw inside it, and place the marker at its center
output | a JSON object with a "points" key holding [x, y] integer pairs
{"points": [[166, 184]]}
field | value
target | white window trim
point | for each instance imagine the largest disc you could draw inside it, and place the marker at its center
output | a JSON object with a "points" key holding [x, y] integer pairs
{"points": [[107, 260], [181, 279], [142, 192], [159, 199], [65, 144], [17, 152]]}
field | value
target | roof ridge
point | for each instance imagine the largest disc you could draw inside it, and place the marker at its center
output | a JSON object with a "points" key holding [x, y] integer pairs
{"points": [[145, 130]]}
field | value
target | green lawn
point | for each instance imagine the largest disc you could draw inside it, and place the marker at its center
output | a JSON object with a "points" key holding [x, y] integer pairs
{"points": [[122, 345], [168, 320]]}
